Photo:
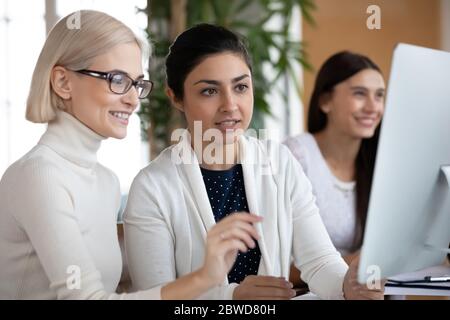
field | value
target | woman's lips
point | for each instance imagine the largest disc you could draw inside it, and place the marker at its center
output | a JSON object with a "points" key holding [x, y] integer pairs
{"points": [[226, 125], [367, 122], [121, 117]]}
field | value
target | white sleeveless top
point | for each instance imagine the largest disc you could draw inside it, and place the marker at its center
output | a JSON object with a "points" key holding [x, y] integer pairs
{"points": [[336, 199]]}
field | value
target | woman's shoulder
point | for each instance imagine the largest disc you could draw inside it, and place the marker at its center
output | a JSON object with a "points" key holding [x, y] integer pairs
{"points": [[43, 165], [301, 142], [32, 175], [162, 168], [162, 161], [301, 146], [32, 163]]}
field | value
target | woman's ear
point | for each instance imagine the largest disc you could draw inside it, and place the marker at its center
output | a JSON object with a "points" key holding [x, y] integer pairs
{"points": [[325, 102], [61, 83], [173, 99]]}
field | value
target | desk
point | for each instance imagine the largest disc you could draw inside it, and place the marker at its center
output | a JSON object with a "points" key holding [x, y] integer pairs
{"points": [[409, 293], [437, 271], [398, 291]]}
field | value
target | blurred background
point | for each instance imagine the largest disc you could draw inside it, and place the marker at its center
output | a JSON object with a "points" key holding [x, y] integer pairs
{"points": [[290, 39]]}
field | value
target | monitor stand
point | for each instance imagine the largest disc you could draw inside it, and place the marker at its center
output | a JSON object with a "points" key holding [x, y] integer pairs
{"points": [[443, 217]]}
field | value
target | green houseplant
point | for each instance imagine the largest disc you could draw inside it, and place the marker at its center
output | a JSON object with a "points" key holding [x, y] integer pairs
{"points": [[167, 18]]}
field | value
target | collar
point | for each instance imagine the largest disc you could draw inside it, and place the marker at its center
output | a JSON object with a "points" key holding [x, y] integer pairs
{"points": [[72, 140]]}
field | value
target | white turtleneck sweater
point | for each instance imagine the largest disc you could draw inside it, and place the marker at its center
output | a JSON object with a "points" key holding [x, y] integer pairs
{"points": [[58, 213]]}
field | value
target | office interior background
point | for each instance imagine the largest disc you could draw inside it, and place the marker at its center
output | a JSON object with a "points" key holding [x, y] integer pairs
{"points": [[339, 25]]}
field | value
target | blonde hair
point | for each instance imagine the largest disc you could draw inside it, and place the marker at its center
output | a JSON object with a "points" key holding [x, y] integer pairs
{"points": [[75, 49]]}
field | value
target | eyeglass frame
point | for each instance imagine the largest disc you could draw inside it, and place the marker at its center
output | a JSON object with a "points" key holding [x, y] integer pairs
{"points": [[108, 77]]}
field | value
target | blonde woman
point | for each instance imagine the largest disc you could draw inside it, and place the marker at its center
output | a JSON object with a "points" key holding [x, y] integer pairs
{"points": [[59, 206]]}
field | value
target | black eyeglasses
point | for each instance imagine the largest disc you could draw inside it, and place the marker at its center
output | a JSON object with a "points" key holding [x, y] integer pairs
{"points": [[121, 83]]}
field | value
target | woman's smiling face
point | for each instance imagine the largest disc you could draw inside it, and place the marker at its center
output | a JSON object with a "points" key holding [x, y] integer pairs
{"points": [[92, 101], [356, 105]]}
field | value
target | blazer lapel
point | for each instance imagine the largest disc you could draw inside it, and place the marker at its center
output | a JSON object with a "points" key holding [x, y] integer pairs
{"points": [[193, 183], [249, 155]]}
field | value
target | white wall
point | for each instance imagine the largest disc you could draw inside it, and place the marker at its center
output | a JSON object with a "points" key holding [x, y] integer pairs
{"points": [[22, 33]]}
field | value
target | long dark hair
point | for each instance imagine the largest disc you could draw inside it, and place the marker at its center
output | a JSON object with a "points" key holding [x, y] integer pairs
{"points": [[335, 70], [194, 45]]}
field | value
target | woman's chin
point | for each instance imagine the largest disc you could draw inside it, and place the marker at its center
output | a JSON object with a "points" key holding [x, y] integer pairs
{"points": [[118, 134], [365, 134]]}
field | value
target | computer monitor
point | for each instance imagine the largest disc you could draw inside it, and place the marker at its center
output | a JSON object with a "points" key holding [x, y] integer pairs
{"points": [[408, 222]]}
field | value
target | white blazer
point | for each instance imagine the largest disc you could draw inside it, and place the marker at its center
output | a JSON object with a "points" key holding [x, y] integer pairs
{"points": [[168, 215]]}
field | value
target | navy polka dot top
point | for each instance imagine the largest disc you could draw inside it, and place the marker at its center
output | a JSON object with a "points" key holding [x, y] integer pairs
{"points": [[226, 194]]}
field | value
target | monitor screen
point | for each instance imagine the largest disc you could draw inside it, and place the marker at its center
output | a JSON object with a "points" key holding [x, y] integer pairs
{"points": [[408, 222]]}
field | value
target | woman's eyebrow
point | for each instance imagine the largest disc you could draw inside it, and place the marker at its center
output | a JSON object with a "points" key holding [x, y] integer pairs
{"points": [[124, 72], [215, 82], [366, 89], [358, 88], [240, 78]]}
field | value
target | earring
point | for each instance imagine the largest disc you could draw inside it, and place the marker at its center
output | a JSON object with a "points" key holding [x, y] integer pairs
{"points": [[325, 109]]}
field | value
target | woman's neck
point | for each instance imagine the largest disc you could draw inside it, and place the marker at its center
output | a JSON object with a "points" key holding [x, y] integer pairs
{"points": [[340, 152]]}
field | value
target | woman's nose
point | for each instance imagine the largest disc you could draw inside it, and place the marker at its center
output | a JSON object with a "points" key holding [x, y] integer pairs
{"points": [[131, 98], [228, 103]]}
